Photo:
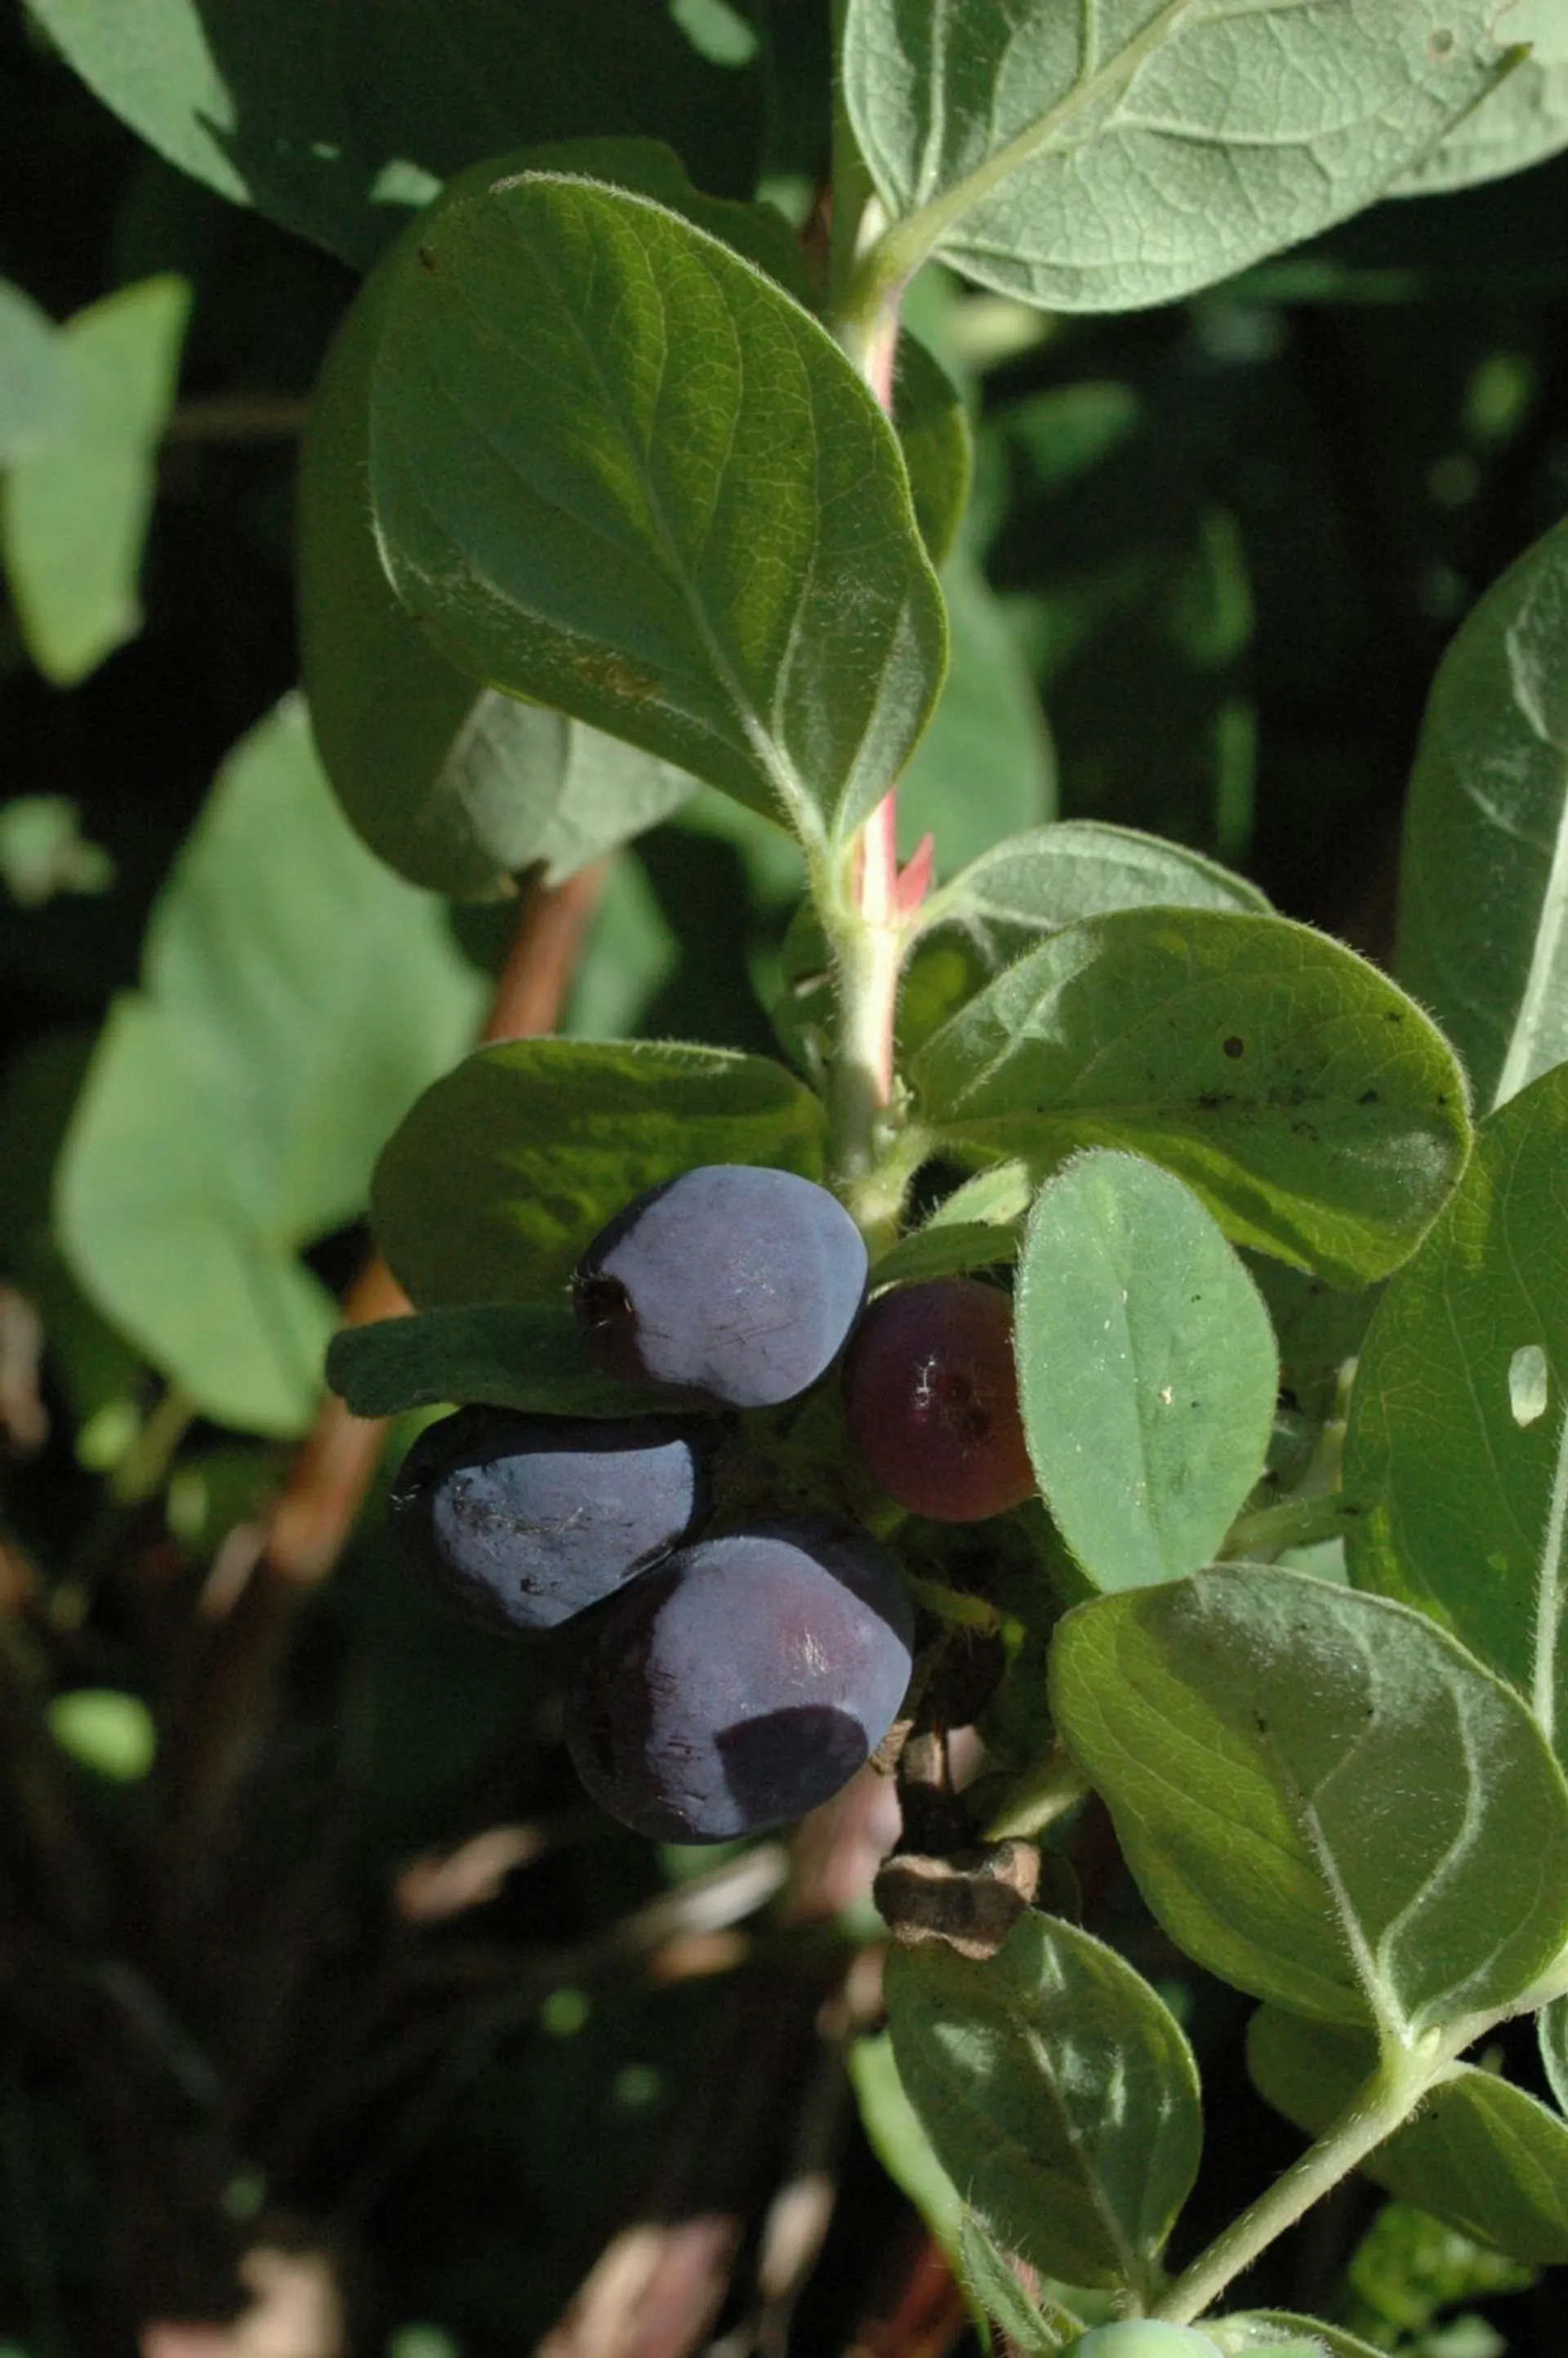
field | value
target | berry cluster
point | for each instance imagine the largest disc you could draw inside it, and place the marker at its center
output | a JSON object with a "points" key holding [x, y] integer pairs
{"points": [[728, 1683]]}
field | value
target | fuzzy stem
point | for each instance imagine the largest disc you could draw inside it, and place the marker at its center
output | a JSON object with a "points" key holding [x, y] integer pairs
{"points": [[1385, 2100]]}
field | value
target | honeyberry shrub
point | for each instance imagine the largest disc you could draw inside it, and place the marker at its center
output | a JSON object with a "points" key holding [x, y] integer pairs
{"points": [[627, 499]]}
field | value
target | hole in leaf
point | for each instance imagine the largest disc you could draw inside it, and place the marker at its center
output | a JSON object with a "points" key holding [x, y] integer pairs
{"points": [[1528, 1383]]}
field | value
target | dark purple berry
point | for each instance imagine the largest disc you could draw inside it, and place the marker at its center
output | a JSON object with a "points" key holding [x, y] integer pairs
{"points": [[732, 1285], [743, 1683], [931, 1399], [522, 1521]]}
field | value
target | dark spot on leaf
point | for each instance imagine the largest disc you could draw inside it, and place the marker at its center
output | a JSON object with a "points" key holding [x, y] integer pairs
{"points": [[1304, 1129], [1368, 1096], [1393, 1014], [1440, 44], [1235, 1045], [428, 260]]}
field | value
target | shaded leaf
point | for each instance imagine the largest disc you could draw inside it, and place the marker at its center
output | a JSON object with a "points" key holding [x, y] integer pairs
{"points": [[507, 1168], [1107, 157], [73, 514], [1307, 1100], [295, 997], [984, 768], [1057, 2090], [1147, 1370], [616, 469], [334, 116], [977, 1226], [1551, 2028], [938, 449], [1481, 2154], [1482, 920], [35, 381], [522, 1355], [1323, 1799], [1457, 1450]]}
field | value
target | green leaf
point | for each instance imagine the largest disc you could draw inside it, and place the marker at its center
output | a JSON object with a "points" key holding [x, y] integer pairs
{"points": [[1057, 2090], [1147, 1370], [507, 1168], [73, 514], [1483, 924], [1323, 1798], [523, 1354], [295, 997], [1309, 1102], [1274, 2324], [1098, 158], [1054, 876], [1552, 2029], [895, 2135], [458, 787], [938, 449], [106, 1730], [984, 767], [1409, 2266], [977, 1226], [1456, 1450], [1524, 120], [992, 2286], [35, 382], [616, 469], [1482, 2154], [334, 119]]}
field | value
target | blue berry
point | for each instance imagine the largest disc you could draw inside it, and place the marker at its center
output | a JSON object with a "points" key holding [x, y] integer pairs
{"points": [[522, 1521], [732, 1285], [743, 1683]]}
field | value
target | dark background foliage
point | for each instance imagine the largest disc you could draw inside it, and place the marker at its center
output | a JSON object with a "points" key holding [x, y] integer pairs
{"points": [[1230, 539]]}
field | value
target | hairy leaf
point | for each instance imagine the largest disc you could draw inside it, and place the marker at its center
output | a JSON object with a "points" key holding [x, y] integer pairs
{"points": [[509, 1166], [1310, 1103], [617, 469], [1147, 1369], [1101, 156], [1483, 926], [1058, 2092], [1323, 1799], [1457, 1446], [1482, 2154], [1524, 120]]}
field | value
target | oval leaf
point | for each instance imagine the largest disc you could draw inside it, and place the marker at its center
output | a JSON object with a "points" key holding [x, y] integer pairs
{"points": [[1483, 926], [1310, 1103], [1147, 1372], [1482, 2154], [1094, 159], [522, 1355], [507, 1168], [1058, 2092], [1323, 1798], [1460, 1468], [334, 120], [616, 469]]}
